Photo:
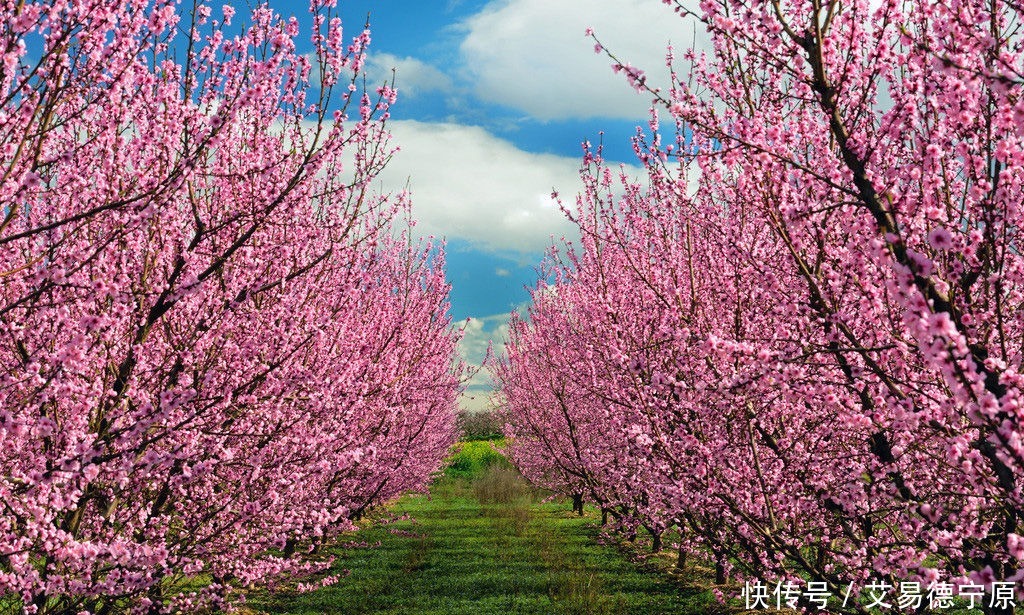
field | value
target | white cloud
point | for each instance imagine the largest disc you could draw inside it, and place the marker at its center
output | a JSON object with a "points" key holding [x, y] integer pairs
{"points": [[532, 54], [412, 76], [477, 334], [479, 402], [473, 342], [468, 184]]}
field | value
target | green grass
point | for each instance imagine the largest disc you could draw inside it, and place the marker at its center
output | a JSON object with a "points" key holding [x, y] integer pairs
{"points": [[483, 542]]}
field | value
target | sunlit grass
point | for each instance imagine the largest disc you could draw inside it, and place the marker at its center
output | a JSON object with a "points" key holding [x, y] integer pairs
{"points": [[484, 542]]}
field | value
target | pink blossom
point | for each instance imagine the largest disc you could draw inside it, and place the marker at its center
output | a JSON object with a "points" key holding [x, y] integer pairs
{"points": [[940, 239]]}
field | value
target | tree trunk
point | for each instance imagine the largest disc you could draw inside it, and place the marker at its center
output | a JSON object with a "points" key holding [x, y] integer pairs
{"points": [[720, 577], [577, 503], [156, 595], [655, 541]]}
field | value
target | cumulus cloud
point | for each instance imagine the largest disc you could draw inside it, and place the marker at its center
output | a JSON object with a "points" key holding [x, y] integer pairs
{"points": [[477, 334], [413, 77], [468, 184], [480, 402], [532, 54]]}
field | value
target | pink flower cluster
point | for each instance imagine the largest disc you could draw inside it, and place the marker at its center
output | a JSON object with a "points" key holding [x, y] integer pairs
{"points": [[217, 344]]}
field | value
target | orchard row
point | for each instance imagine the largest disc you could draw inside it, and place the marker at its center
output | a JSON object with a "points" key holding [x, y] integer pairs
{"points": [[217, 346], [798, 338]]}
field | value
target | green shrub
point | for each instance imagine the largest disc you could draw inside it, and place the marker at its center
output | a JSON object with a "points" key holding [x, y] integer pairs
{"points": [[470, 459]]}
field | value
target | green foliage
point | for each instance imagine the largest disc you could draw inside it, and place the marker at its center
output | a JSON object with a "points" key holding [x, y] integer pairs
{"points": [[471, 459], [489, 545]]}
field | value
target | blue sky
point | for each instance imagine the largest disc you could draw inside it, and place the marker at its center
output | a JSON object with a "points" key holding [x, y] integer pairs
{"points": [[495, 98]]}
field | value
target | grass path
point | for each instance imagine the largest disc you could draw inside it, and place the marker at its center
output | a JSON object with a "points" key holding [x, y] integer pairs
{"points": [[486, 545]]}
